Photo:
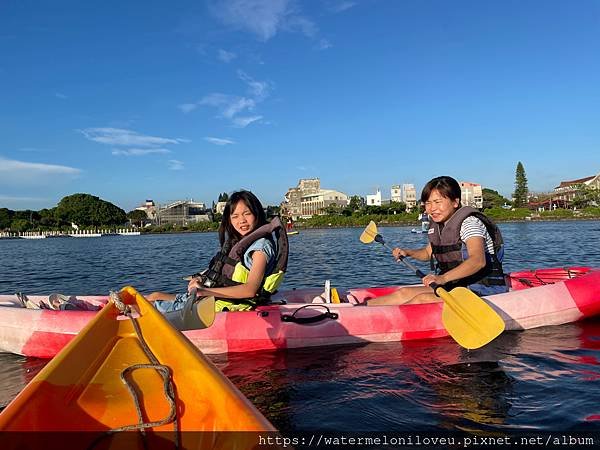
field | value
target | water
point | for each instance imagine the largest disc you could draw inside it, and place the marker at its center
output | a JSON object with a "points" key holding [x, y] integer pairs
{"points": [[545, 379]]}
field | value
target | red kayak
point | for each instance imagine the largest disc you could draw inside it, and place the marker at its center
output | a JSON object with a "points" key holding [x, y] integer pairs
{"points": [[302, 318]]}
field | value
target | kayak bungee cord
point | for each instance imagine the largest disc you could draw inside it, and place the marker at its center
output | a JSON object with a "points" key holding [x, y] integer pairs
{"points": [[164, 372]]}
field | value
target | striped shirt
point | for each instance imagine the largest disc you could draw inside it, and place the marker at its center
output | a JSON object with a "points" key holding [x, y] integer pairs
{"points": [[473, 227]]}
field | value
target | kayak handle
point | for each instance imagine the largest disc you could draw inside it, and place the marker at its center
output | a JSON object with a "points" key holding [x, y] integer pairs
{"points": [[304, 320]]}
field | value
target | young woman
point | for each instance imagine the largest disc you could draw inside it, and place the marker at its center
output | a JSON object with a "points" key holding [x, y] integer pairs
{"points": [[465, 247], [249, 266]]}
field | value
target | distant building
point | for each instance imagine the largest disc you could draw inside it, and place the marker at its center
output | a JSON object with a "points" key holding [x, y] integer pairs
{"points": [[396, 193], [567, 190], [374, 199], [149, 208], [409, 196], [471, 194], [220, 207], [183, 212], [308, 199]]}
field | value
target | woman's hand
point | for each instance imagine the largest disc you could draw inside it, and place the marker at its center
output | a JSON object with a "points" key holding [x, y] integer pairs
{"points": [[440, 280], [196, 284], [399, 253]]}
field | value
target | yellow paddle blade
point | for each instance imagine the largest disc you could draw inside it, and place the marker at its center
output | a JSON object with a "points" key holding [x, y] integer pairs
{"points": [[468, 318], [205, 309], [369, 234]]}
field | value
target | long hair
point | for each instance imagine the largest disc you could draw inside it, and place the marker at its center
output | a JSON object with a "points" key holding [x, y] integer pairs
{"points": [[227, 232], [447, 186]]}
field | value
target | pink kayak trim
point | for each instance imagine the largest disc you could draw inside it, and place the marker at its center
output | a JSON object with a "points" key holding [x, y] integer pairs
{"points": [[537, 298]]}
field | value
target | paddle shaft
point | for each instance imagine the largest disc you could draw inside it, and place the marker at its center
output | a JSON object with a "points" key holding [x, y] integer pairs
{"points": [[411, 266]]}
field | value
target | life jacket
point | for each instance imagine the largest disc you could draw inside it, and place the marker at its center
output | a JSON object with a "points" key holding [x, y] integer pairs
{"points": [[448, 251], [227, 268]]}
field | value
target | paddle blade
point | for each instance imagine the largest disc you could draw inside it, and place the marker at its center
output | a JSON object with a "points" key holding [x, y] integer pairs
{"points": [[468, 318], [205, 309], [369, 234]]}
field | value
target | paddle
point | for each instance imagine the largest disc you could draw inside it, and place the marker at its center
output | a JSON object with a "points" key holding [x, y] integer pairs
{"points": [[467, 318], [196, 314]]}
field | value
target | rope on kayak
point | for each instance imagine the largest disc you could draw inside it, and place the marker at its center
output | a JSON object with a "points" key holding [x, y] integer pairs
{"points": [[165, 373]]}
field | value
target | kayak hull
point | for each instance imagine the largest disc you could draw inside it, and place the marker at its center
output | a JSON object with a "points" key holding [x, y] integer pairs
{"points": [[532, 302], [83, 388]]}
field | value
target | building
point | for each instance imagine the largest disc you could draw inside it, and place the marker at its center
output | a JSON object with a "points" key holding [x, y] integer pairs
{"points": [[220, 207], [409, 196], [308, 199], [567, 190], [183, 212], [396, 193], [149, 208], [471, 194], [374, 199]]}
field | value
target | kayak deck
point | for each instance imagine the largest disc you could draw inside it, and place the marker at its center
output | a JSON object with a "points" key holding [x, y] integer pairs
{"points": [[82, 388]]}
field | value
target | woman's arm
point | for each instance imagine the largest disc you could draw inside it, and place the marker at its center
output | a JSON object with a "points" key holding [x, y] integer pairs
{"points": [[471, 265], [246, 290], [422, 254]]}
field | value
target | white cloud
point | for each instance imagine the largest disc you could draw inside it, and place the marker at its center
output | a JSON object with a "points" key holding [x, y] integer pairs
{"points": [[258, 89], [323, 44], [340, 6], [219, 141], [243, 122], [226, 56], [228, 105], [122, 137], [188, 107], [175, 164], [263, 18], [61, 96], [18, 173], [139, 151]]}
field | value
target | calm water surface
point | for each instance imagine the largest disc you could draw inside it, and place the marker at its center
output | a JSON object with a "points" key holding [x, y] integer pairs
{"points": [[544, 379]]}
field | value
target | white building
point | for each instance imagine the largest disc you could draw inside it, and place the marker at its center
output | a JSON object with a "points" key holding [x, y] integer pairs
{"points": [[149, 208], [308, 199], [314, 204], [220, 207], [396, 193], [409, 196], [471, 194], [374, 199]]}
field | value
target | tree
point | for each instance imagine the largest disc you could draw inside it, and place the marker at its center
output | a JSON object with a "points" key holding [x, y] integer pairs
{"points": [[520, 194], [6, 217], [355, 203], [492, 199], [137, 217], [88, 210], [223, 197]]}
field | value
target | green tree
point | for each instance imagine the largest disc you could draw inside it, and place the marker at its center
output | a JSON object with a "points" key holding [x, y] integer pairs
{"points": [[356, 203], [6, 217], [223, 197], [492, 199], [137, 217], [88, 210], [520, 194], [20, 225]]}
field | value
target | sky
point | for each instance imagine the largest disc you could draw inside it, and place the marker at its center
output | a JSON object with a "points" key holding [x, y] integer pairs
{"points": [[134, 100]]}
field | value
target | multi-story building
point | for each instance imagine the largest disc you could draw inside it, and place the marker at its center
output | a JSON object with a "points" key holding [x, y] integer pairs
{"points": [[308, 199], [182, 212], [396, 193], [567, 190], [374, 199], [409, 196], [471, 194]]}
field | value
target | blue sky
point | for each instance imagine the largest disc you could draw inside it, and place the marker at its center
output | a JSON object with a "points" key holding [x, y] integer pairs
{"points": [[129, 100]]}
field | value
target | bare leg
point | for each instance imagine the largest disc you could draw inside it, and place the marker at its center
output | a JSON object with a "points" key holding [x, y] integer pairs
{"points": [[160, 296], [404, 295]]}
